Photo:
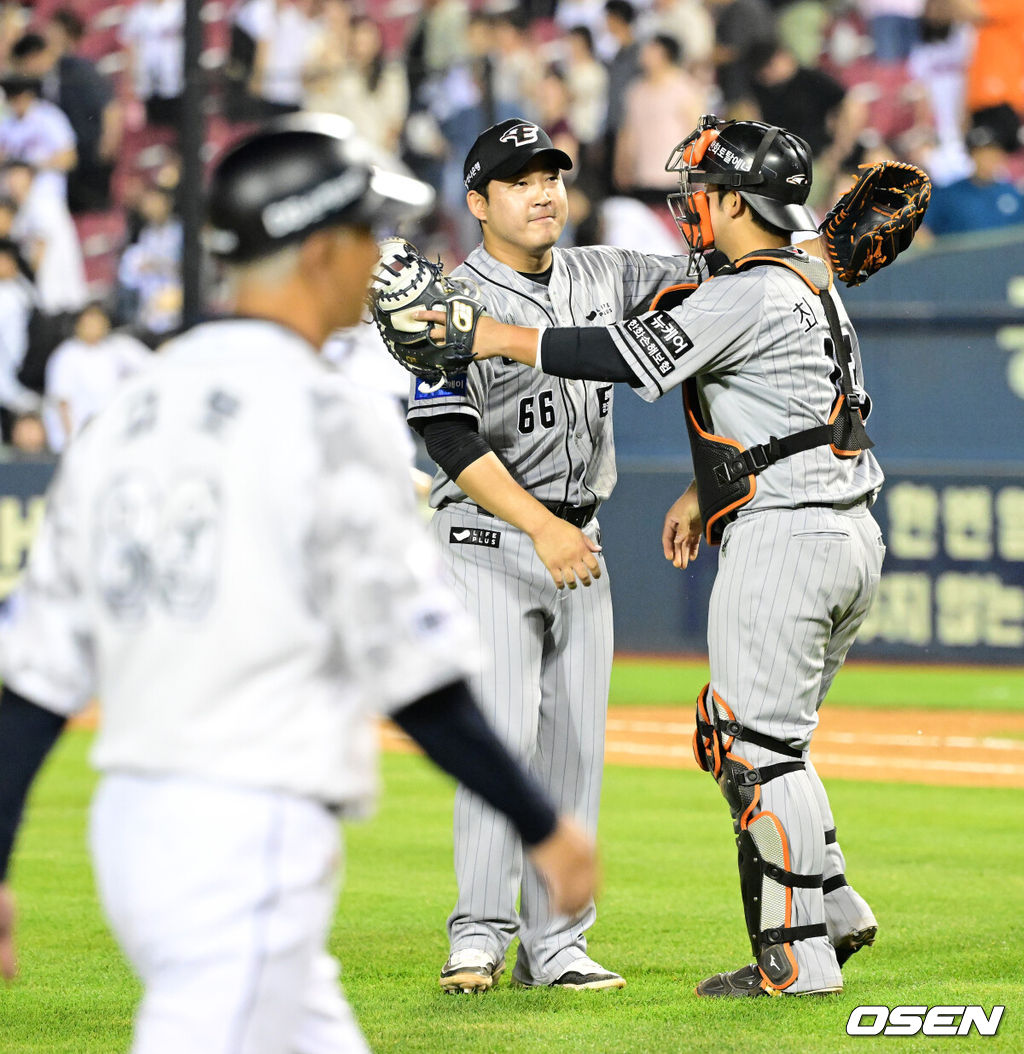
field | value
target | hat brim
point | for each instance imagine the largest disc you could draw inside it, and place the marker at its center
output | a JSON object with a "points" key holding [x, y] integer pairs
{"points": [[519, 162]]}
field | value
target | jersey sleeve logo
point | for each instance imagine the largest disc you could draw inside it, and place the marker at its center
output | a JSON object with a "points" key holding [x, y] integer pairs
{"points": [[660, 339], [443, 388]]}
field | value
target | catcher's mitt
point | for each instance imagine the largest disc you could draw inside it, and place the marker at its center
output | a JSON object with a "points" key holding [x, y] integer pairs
{"points": [[875, 220], [406, 281]]}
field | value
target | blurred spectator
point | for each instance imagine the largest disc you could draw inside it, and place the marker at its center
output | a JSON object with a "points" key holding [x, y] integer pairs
{"points": [[662, 107], [690, 24], [436, 43], [623, 69], [369, 90], [809, 102], [85, 371], [587, 81], [87, 100], [894, 26], [591, 15], [742, 28], [517, 69], [152, 35], [8, 214], [28, 437], [996, 71], [328, 55], [987, 199], [17, 299], [37, 132], [46, 235], [284, 32], [13, 22], [553, 113], [801, 26], [149, 275], [938, 63]]}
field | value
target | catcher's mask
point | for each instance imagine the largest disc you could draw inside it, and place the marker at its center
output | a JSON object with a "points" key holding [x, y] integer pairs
{"points": [[769, 167]]}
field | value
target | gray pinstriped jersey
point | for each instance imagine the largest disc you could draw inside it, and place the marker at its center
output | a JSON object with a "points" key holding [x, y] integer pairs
{"points": [[759, 344], [554, 435]]}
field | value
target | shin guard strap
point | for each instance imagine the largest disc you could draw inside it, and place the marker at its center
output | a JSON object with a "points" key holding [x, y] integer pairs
{"points": [[751, 777], [790, 878], [789, 934], [831, 837], [733, 728], [833, 883]]}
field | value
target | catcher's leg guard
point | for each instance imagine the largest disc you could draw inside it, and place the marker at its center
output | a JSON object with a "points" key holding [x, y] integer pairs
{"points": [[767, 880]]}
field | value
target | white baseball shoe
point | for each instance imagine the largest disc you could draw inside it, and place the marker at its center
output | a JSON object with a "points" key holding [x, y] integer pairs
{"points": [[582, 974], [470, 970]]}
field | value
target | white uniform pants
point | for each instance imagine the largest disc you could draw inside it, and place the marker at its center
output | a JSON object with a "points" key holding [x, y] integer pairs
{"points": [[222, 898]]}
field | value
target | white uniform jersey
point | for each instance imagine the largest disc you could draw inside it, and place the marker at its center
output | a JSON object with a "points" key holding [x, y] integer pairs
{"points": [[553, 434], [759, 344], [233, 561]]}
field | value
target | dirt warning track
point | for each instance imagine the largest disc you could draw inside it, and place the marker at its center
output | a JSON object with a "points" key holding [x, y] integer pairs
{"points": [[945, 748]]}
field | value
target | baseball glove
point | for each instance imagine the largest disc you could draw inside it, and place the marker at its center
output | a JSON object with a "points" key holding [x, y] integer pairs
{"points": [[406, 281], [875, 220]]}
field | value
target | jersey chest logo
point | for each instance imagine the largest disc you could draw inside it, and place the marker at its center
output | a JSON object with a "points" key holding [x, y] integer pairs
{"points": [[474, 536]]}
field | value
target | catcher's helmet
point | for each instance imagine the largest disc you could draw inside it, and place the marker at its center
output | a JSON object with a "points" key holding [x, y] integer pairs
{"points": [[768, 166], [297, 175]]}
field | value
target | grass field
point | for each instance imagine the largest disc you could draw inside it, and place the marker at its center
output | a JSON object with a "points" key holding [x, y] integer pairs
{"points": [[943, 868]]}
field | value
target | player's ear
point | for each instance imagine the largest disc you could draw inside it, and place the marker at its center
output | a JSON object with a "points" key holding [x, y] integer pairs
{"points": [[477, 205]]}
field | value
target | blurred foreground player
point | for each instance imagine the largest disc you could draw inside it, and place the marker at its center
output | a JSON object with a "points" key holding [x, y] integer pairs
{"points": [[244, 599]]}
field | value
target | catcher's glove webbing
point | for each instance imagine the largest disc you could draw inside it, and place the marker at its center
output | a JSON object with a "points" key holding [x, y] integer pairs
{"points": [[875, 220], [406, 281]]}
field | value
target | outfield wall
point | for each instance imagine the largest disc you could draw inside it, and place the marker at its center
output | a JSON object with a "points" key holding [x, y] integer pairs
{"points": [[942, 335]]}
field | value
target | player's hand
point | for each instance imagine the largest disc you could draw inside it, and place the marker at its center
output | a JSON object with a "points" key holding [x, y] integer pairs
{"points": [[485, 329], [8, 959], [567, 553], [567, 861], [680, 535]]}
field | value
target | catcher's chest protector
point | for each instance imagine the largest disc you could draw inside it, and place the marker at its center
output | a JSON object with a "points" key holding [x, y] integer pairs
{"points": [[726, 471]]}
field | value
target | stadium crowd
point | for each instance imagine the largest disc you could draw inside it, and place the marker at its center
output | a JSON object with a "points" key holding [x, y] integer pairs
{"points": [[90, 241]]}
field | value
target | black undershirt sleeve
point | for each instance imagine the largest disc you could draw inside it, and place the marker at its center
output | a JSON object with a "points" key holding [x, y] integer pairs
{"points": [[453, 442], [586, 354], [449, 727], [27, 732]]}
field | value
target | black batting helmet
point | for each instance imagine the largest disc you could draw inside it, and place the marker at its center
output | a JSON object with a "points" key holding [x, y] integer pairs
{"points": [[299, 174], [768, 166]]}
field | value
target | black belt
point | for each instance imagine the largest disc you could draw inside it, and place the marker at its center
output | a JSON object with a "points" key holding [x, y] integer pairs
{"points": [[577, 515], [841, 506]]}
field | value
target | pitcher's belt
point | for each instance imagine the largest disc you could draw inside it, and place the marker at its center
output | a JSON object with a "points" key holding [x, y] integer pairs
{"points": [[577, 515]]}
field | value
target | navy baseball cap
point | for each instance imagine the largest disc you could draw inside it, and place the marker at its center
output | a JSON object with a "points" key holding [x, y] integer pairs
{"points": [[507, 148]]}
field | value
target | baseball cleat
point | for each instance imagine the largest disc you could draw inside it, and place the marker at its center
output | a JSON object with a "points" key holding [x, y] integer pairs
{"points": [[748, 983], [470, 971], [853, 942], [585, 974]]}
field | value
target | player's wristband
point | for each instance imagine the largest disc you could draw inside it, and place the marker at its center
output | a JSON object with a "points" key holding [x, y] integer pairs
{"points": [[27, 732], [540, 344]]}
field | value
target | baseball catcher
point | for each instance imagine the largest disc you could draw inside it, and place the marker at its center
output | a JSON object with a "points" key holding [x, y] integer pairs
{"points": [[405, 281], [875, 220]]}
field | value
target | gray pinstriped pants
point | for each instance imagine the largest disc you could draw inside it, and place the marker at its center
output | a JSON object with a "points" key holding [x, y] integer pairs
{"points": [[792, 589], [545, 691]]}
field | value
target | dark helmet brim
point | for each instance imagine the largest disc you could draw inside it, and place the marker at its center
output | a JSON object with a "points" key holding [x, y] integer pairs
{"points": [[786, 216]]}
